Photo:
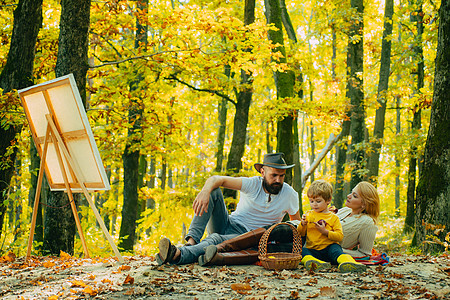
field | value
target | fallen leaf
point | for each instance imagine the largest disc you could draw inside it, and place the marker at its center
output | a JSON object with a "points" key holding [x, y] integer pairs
{"points": [[312, 282], [48, 264], [314, 296], [328, 291], [10, 257], [90, 291], [240, 286], [54, 297], [106, 280], [64, 256], [124, 268], [206, 278], [78, 283], [294, 295], [129, 292], [129, 280], [91, 277]]}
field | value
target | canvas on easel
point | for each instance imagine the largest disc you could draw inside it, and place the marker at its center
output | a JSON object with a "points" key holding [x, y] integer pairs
{"points": [[66, 145]]}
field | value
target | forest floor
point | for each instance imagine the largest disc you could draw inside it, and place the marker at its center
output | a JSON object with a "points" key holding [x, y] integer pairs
{"points": [[66, 277]]}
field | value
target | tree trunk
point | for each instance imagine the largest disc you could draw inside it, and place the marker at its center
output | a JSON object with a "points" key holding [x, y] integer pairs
{"points": [[244, 98], [284, 82], [397, 160], [355, 90], [130, 157], [222, 116], [312, 156], [385, 65], [17, 74], [416, 123], [433, 190], [341, 147], [297, 182], [59, 223]]}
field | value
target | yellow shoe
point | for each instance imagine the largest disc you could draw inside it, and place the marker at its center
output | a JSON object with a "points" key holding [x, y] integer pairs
{"points": [[313, 264], [348, 264]]}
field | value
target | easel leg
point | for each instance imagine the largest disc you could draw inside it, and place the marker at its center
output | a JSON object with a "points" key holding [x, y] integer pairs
{"points": [[72, 203], [102, 224], [38, 192]]}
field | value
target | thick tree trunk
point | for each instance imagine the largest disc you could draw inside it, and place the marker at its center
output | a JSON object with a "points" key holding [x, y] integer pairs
{"points": [[131, 155], [341, 147], [385, 65], [284, 82], [416, 123], [433, 190], [59, 223], [244, 98], [17, 74], [355, 90]]}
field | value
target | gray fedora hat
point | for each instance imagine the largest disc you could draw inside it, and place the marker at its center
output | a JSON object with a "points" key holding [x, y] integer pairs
{"points": [[273, 160]]}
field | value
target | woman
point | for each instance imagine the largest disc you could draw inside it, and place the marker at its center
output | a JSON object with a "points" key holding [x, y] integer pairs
{"points": [[358, 221]]}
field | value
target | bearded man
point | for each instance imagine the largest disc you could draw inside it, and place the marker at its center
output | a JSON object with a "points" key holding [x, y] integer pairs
{"points": [[264, 200]]}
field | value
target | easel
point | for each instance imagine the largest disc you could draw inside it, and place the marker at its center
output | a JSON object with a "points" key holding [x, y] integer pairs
{"points": [[53, 136]]}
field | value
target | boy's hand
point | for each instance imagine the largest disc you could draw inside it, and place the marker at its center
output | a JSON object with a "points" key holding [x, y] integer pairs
{"points": [[322, 227], [303, 221]]}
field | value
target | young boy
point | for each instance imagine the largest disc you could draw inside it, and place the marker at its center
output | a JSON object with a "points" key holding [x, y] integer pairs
{"points": [[323, 232]]}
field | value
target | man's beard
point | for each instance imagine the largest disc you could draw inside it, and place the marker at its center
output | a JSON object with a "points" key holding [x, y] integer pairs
{"points": [[273, 188]]}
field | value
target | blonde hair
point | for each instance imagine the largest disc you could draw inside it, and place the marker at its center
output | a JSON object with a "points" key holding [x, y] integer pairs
{"points": [[369, 198], [320, 188]]}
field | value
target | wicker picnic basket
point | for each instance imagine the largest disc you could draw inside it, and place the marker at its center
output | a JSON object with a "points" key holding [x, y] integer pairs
{"points": [[280, 260]]}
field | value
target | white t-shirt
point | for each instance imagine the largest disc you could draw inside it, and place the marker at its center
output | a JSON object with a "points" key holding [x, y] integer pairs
{"points": [[254, 210]]}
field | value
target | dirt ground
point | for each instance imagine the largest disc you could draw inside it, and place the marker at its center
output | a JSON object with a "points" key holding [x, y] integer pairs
{"points": [[66, 277]]}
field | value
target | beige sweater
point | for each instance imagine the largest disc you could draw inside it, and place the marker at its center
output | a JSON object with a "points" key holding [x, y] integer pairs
{"points": [[359, 231]]}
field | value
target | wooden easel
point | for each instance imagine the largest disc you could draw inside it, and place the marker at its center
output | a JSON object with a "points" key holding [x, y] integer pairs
{"points": [[53, 135]]}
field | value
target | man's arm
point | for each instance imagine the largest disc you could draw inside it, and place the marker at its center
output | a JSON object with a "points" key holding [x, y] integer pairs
{"points": [[201, 202], [296, 216]]}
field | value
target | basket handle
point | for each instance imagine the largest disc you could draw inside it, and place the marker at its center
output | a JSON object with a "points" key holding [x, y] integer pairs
{"points": [[296, 243]]}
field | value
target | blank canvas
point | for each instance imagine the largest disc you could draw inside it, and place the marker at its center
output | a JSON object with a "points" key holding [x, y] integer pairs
{"points": [[60, 98]]}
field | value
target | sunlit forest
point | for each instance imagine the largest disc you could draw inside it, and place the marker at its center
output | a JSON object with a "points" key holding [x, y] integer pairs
{"points": [[167, 84]]}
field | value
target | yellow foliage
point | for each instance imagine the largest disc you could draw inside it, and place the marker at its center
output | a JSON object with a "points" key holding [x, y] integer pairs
{"points": [[171, 217]]}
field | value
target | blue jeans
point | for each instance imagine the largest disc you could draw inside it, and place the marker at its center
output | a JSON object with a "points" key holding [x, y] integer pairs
{"points": [[190, 254], [220, 228], [329, 254]]}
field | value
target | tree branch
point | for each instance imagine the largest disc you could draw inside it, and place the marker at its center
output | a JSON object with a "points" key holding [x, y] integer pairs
{"points": [[173, 77], [108, 63], [330, 143]]}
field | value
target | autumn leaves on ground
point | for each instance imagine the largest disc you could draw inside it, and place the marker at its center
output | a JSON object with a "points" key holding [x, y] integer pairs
{"points": [[66, 277]]}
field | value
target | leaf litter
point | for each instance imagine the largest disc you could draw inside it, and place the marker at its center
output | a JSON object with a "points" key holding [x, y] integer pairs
{"points": [[67, 277]]}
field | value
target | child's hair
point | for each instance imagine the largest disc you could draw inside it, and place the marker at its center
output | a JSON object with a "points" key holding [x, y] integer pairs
{"points": [[320, 188], [369, 198]]}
